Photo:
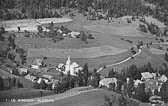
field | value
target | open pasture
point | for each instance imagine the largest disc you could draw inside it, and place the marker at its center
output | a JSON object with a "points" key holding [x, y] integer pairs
{"points": [[91, 52]]}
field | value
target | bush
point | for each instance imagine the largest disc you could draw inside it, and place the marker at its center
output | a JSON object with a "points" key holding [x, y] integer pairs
{"points": [[36, 86], [129, 41], [20, 85], [161, 40]]}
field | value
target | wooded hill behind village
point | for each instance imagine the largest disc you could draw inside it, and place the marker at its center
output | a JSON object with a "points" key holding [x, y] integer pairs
{"points": [[21, 9]]}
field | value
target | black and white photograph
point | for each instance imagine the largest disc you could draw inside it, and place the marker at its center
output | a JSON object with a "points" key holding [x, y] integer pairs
{"points": [[83, 52]]}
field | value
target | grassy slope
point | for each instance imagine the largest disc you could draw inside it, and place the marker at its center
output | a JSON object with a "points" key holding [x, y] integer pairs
{"points": [[26, 83], [23, 93], [94, 98]]}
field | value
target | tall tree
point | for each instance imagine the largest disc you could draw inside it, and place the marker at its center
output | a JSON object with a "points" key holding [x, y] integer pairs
{"points": [[86, 73]]}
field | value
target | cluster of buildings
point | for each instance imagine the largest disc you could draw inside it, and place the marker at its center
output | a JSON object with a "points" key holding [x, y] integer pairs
{"points": [[38, 66], [152, 81]]}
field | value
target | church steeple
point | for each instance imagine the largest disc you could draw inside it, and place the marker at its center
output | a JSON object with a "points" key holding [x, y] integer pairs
{"points": [[68, 64]]}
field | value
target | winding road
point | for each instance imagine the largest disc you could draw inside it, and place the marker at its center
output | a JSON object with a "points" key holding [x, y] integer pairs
{"points": [[123, 61]]}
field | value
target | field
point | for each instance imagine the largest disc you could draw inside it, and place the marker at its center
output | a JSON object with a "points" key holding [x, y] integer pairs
{"points": [[26, 83], [30, 24], [81, 96], [92, 52], [23, 93]]}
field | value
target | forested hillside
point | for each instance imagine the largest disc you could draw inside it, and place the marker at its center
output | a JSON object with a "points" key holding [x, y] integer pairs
{"points": [[20, 9]]}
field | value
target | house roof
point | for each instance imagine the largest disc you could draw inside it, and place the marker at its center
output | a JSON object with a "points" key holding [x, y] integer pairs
{"points": [[151, 84], [136, 82], [47, 76], [146, 75], [163, 78], [30, 77], [23, 70]]}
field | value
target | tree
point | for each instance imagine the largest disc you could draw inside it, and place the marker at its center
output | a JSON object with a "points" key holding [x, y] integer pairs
{"points": [[80, 79], [166, 56], [119, 84], [19, 84], [108, 101], [2, 30], [133, 72], [111, 73], [1, 37], [42, 84], [1, 84], [140, 93], [112, 86], [40, 29], [85, 74], [11, 41], [122, 101], [36, 86]]}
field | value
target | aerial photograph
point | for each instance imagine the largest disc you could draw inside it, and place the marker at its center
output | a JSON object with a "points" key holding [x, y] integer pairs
{"points": [[83, 52]]}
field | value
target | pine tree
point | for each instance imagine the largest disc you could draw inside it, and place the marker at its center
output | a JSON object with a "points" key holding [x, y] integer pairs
{"points": [[111, 73], [1, 84], [86, 73]]}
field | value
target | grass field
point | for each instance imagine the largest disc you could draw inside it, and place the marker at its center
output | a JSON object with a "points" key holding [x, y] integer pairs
{"points": [[93, 98], [30, 24], [92, 52], [26, 83], [23, 93], [118, 31]]}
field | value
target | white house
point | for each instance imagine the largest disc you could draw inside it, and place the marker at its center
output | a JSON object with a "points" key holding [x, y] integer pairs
{"points": [[23, 70], [30, 77], [106, 81], [163, 78], [146, 76], [36, 64], [47, 76], [136, 82]]}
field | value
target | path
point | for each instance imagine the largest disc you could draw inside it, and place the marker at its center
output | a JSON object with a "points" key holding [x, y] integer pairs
{"points": [[123, 61]]}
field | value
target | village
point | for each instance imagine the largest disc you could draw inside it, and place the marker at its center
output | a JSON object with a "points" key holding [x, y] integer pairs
{"points": [[76, 50]]}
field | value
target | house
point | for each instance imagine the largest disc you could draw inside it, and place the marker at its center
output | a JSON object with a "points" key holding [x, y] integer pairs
{"points": [[36, 64], [152, 84], [47, 76], [74, 34], [30, 77], [137, 82], [61, 65], [46, 69], [146, 76], [106, 81], [23, 71], [163, 78]]}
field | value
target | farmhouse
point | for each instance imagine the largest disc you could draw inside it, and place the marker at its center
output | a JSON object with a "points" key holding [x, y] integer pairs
{"points": [[163, 78], [36, 64], [22, 71], [146, 76], [30, 77]]}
